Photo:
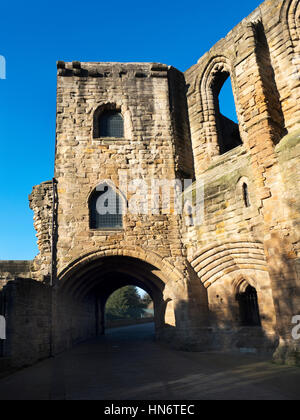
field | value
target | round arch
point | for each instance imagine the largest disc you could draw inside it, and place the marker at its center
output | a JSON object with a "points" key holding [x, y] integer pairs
{"points": [[85, 285], [289, 15], [161, 268], [95, 273]]}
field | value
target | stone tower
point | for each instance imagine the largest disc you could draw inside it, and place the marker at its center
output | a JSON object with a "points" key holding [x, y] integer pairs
{"points": [[145, 248]]}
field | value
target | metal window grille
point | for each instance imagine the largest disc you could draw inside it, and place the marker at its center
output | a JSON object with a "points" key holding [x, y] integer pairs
{"points": [[111, 124], [111, 214]]}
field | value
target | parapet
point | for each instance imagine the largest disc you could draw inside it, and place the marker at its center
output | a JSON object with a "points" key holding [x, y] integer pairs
{"points": [[111, 70]]}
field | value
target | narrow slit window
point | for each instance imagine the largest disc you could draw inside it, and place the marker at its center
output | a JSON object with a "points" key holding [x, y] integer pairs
{"points": [[246, 195]]}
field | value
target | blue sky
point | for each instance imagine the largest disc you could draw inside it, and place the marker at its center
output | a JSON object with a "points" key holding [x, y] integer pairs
{"points": [[34, 35]]}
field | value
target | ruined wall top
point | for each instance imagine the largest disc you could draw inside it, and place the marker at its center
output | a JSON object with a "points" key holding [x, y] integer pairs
{"points": [[111, 69], [261, 57]]}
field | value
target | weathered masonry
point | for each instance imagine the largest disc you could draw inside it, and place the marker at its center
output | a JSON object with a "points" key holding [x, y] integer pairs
{"points": [[230, 283]]}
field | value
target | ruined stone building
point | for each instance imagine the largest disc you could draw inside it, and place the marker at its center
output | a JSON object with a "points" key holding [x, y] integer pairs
{"points": [[231, 282]]}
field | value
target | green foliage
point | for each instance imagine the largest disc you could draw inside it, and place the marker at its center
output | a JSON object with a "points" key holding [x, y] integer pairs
{"points": [[125, 303], [146, 300]]}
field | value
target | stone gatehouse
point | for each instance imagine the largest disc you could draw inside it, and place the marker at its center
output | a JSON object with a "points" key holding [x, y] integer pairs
{"points": [[231, 282]]}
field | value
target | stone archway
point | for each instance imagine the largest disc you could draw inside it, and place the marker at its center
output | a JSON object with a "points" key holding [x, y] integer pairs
{"points": [[86, 284], [162, 268], [180, 299]]}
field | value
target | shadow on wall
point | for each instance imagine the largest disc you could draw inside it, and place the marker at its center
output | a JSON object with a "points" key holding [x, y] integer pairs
{"points": [[284, 273], [201, 336], [283, 259]]}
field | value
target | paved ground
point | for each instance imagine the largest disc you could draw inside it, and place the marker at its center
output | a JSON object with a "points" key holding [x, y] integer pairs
{"points": [[127, 364]]}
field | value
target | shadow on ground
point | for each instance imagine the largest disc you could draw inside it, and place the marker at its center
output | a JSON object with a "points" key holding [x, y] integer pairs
{"points": [[127, 364]]}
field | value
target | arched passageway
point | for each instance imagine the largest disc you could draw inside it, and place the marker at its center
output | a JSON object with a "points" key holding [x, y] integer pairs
{"points": [[83, 292]]}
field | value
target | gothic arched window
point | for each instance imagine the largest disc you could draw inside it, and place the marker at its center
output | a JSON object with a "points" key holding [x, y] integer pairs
{"points": [[106, 208], [227, 130]]}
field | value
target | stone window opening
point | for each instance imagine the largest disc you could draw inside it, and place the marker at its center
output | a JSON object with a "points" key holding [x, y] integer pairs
{"points": [[108, 122], [228, 132], [106, 208], [246, 195], [249, 308]]}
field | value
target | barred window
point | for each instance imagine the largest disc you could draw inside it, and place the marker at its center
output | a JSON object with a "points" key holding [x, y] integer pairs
{"points": [[106, 209], [111, 124]]}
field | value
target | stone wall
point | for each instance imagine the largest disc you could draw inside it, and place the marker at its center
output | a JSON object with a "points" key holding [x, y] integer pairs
{"points": [[283, 246], [262, 57], [26, 305], [74, 321], [226, 251], [11, 269], [41, 202]]}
